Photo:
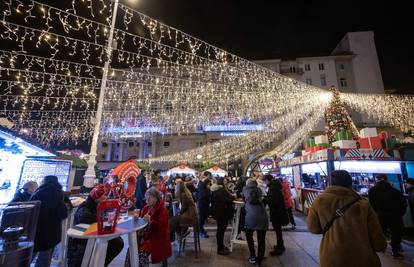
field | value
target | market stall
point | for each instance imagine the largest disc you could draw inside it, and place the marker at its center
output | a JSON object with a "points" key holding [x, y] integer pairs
{"points": [[22, 161], [181, 169], [217, 171], [372, 154]]}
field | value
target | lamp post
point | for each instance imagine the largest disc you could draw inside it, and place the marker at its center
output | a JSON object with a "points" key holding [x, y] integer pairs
{"points": [[89, 176]]}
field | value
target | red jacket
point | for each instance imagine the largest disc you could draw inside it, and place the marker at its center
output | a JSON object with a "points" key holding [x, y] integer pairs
{"points": [[157, 238], [287, 195]]}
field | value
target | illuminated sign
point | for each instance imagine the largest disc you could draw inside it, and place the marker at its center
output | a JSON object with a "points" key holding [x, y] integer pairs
{"points": [[232, 134], [368, 166], [135, 130], [233, 128]]}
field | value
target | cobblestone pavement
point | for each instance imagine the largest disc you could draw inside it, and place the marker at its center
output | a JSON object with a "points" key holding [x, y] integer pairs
{"points": [[302, 249]]}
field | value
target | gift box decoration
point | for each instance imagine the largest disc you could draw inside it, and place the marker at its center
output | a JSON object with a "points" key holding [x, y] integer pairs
{"points": [[321, 139], [310, 142], [345, 144], [343, 135], [368, 132], [370, 142], [389, 143]]}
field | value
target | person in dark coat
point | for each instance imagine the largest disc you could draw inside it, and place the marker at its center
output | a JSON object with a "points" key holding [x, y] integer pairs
{"points": [[52, 212], [86, 213], [238, 188], [256, 220], [278, 213], [203, 201], [140, 189], [390, 206], [26, 192], [222, 210]]}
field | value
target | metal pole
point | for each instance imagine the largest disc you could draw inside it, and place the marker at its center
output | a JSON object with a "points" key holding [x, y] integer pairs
{"points": [[89, 177]]}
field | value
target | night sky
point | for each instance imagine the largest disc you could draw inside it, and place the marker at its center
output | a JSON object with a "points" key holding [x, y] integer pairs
{"points": [[287, 29]]}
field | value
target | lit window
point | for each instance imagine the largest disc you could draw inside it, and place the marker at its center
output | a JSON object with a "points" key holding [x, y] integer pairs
{"points": [[343, 82], [321, 66]]}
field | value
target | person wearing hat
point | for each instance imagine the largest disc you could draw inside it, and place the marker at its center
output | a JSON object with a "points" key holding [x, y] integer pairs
{"points": [[222, 211], [390, 206], [351, 231], [53, 211], [86, 213]]}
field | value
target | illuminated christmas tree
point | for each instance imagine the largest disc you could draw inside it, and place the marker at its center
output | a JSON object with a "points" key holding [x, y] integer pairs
{"points": [[337, 119]]}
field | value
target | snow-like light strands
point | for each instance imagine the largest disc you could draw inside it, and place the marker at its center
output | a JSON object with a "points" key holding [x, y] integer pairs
{"points": [[238, 146], [297, 137], [160, 76], [394, 110]]}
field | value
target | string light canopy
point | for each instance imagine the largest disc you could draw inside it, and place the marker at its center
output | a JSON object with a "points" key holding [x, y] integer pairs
{"points": [[57, 59], [158, 75]]}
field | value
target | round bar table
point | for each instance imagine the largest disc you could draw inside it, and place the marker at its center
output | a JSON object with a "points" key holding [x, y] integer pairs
{"points": [[97, 245]]}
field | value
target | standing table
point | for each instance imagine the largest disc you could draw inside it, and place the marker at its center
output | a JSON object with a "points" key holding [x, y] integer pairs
{"points": [[97, 245], [235, 225]]}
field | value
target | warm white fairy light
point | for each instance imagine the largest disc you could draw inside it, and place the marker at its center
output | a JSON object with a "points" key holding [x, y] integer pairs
{"points": [[239, 146], [169, 78], [393, 110]]}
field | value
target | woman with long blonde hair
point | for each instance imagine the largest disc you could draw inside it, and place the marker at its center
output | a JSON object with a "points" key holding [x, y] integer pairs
{"points": [[188, 213]]}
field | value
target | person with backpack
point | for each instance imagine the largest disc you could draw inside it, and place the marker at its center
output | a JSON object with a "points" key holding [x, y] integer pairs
{"points": [[351, 231], [390, 206], [278, 213], [256, 220]]}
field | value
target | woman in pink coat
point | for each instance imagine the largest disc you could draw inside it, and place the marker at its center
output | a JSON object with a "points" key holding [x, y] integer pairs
{"points": [[288, 201]]}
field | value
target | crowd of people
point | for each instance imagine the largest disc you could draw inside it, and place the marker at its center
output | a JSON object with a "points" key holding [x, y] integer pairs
{"points": [[338, 213]]}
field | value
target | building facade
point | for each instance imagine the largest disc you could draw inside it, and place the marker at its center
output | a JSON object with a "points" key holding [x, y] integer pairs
{"points": [[352, 67]]}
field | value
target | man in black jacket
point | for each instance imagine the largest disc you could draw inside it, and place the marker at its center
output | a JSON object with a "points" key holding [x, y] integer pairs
{"points": [[278, 213], [53, 211], [222, 210], [390, 205], [203, 201], [140, 189]]}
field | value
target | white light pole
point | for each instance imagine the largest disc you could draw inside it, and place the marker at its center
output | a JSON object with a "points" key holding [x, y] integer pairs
{"points": [[89, 177]]}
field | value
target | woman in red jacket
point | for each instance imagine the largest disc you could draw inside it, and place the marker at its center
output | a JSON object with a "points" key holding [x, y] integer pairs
{"points": [[287, 194], [157, 237]]}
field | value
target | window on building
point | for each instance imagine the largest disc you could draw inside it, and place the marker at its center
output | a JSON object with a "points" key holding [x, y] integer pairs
{"points": [[137, 144], [166, 144], [341, 66], [199, 143], [104, 144], [309, 81], [321, 66], [292, 69], [323, 80], [307, 67], [131, 144], [343, 82]]}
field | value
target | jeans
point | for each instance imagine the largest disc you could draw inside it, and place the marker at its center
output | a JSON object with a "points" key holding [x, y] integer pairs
{"points": [[221, 229], [202, 215], [44, 258], [261, 240], [291, 218], [279, 235]]}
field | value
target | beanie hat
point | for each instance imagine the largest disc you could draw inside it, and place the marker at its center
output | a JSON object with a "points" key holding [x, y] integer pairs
{"points": [[341, 178], [98, 191]]}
